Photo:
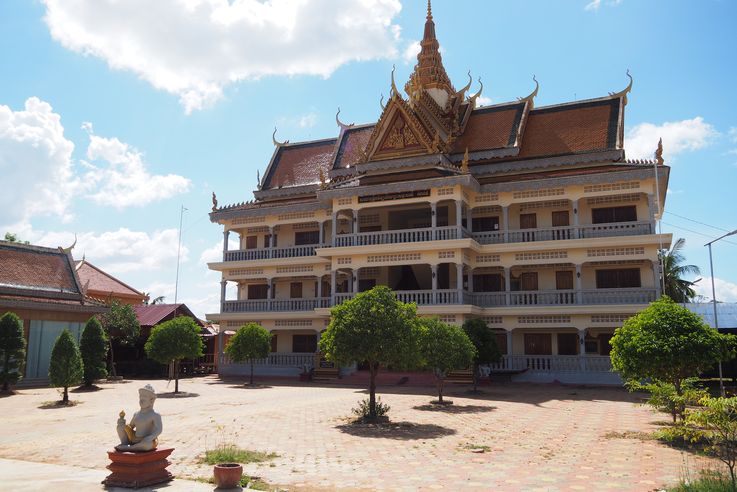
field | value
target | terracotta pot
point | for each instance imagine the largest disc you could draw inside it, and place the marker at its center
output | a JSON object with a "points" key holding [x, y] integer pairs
{"points": [[227, 475]]}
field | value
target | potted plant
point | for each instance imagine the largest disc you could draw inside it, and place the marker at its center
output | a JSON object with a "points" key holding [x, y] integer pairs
{"points": [[227, 475]]}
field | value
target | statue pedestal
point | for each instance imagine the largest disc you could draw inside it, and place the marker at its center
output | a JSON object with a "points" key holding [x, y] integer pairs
{"points": [[134, 470]]}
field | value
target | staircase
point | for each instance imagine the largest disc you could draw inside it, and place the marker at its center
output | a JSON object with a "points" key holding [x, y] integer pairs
{"points": [[461, 376], [324, 370]]}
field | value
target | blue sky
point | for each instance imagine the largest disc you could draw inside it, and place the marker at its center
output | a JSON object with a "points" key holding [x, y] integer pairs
{"points": [[113, 115]]}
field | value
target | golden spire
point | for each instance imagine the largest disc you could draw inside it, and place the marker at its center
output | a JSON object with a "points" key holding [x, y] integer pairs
{"points": [[429, 72], [464, 163], [659, 153]]}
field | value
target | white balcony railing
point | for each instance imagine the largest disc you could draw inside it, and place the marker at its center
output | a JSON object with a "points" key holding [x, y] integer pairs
{"points": [[266, 253], [280, 359], [554, 363], [263, 305], [398, 236], [561, 233]]}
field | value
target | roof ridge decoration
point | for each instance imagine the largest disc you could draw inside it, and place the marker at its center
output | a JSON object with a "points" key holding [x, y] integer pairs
{"points": [[473, 98], [659, 153], [623, 93], [342, 125], [531, 97], [70, 248], [276, 142]]}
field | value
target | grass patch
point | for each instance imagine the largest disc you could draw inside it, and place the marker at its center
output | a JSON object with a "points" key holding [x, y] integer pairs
{"points": [[475, 448], [709, 481], [252, 483], [643, 436], [234, 454]]}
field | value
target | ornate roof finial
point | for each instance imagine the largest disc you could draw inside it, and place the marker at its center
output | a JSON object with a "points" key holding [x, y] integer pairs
{"points": [[429, 10], [70, 248], [277, 143], [322, 179], [659, 153], [381, 102], [463, 91], [214, 202], [476, 96], [533, 94], [464, 163], [342, 125], [429, 72], [258, 179], [623, 93], [394, 91]]}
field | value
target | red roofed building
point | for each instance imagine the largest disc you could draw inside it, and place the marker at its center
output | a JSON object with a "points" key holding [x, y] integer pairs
{"points": [[103, 286], [531, 218], [41, 286]]}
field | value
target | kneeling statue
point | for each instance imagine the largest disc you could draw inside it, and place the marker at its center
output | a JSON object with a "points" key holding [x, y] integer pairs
{"points": [[144, 428]]}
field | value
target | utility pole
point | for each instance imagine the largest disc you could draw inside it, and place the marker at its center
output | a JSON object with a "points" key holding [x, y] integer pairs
{"points": [[179, 250]]}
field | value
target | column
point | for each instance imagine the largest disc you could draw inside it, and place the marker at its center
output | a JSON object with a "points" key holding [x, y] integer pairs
{"points": [[332, 287], [223, 285], [271, 241], [459, 217], [434, 275], [507, 286], [270, 289], [459, 281], [354, 280], [505, 219], [335, 228], [651, 210], [469, 219], [574, 204], [321, 233], [354, 221], [579, 291], [509, 343], [582, 349], [470, 279], [656, 276], [319, 287], [434, 219], [226, 237]]}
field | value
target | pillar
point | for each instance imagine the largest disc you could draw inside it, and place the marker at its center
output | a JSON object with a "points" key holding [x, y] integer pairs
{"points": [[354, 221], [459, 217], [579, 291], [319, 287], [470, 279], [459, 279], [574, 204], [223, 286], [507, 286], [656, 277], [434, 275], [321, 233], [271, 241], [651, 210], [270, 289], [505, 219], [582, 349], [469, 219], [509, 343], [434, 219], [226, 237], [354, 280], [335, 228], [332, 286]]}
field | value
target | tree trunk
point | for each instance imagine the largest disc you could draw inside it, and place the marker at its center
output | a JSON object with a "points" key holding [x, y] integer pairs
{"points": [[65, 397], [732, 475], [440, 390], [113, 373], [373, 369], [176, 377], [475, 377], [251, 383]]}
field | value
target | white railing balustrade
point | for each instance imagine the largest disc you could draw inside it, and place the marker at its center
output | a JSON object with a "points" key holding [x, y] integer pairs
{"points": [[398, 236], [618, 296], [281, 359], [266, 253], [553, 363], [543, 298], [616, 229], [258, 305]]}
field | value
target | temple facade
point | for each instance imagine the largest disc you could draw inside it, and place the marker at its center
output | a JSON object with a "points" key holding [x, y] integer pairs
{"points": [[530, 218]]}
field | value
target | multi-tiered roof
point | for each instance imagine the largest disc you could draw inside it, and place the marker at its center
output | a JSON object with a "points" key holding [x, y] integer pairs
{"points": [[437, 131]]}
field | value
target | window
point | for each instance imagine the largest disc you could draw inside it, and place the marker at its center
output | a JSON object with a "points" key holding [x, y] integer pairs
{"points": [[274, 343], [481, 224], [614, 214], [488, 283], [304, 343], [266, 240], [306, 237], [295, 290], [564, 280], [442, 219], [605, 345], [258, 291], [501, 342], [618, 279], [365, 284], [528, 281], [528, 221], [538, 344], [251, 242], [567, 344], [560, 219]]}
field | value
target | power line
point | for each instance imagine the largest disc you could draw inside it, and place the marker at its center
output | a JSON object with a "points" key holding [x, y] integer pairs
{"points": [[697, 222], [697, 232]]}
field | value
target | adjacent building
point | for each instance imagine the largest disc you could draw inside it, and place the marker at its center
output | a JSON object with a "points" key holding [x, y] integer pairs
{"points": [[531, 218]]}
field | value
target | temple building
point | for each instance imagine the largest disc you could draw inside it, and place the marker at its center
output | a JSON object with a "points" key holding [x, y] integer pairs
{"points": [[531, 218]]}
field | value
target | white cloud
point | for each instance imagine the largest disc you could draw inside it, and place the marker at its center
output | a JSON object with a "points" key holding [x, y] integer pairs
{"points": [[678, 136], [411, 51], [596, 4], [732, 134], [157, 289], [215, 252], [725, 291], [208, 44], [307, 120], [35, 163], [483, 101], [124, 181], [122, 250]]}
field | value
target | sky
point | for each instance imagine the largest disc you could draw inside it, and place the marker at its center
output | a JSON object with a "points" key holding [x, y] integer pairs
{"points": [[116, 114]]}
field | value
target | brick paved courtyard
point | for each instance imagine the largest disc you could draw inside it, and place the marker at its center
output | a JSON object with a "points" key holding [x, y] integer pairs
{"points": [[537, 437]]}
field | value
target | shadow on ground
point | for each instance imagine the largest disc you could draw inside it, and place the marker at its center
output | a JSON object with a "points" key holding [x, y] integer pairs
{"points": [[403, 431], [455, 408], [86, 389], [53, 405], [250, 387], [181, 394]]}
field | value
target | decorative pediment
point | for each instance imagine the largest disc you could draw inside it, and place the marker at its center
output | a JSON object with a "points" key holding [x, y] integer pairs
{"points": [[399, 133]]}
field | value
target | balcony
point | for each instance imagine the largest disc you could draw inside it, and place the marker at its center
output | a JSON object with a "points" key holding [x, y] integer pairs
{"points": [[562, 233], [269, 253], [278, 305], [554, 363], [398, 236]]}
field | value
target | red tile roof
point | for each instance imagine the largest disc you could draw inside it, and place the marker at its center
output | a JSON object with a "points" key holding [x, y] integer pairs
{"points": [[491, 128], [152, 314], [100, 283], [34, 267], [352, 146], [300, 164]]}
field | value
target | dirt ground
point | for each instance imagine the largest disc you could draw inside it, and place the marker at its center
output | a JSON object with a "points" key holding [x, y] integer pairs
{"points": [[533, 437]]}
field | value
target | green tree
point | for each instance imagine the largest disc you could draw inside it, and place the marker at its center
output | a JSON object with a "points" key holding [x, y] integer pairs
{"points": [[373, 327], [666, 342], [13, 238], [12, 349], [719, 417], [250, 342], [93, 346], [121, 325], [676, 287], [487, 350], [174, 340], [65, 368], [443, 348]]}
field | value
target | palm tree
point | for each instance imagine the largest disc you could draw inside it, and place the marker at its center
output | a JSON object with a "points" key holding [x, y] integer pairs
{"points": [[677, 288]]}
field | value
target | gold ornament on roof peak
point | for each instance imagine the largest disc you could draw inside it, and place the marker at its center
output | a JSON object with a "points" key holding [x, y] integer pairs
{"points": [[381, 102], [659, 153], [322, 179], [276, 142], [70, 248], [478, 94], [342, 125], [394, 91], [464, 163], [623, 93], [461, 93], [531, 97]]}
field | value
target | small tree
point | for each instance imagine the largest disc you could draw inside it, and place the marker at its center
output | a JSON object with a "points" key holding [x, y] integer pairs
{"points": [[93, 346], [121, 325], [667, 342], [443, 348], [487, 350], [719, 417], [174, 340], [250, 342], [65, 367], [12, 349], [373, 327]]}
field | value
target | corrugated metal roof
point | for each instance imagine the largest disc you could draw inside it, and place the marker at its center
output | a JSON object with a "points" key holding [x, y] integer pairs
{"points": [[726, 312]]}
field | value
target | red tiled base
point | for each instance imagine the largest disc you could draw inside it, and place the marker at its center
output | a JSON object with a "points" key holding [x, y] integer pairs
{"points": [[134, 470]]}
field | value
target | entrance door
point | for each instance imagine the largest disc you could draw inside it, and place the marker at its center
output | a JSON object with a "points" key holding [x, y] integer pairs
{"points": [[538, 344], [567, 344]]}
